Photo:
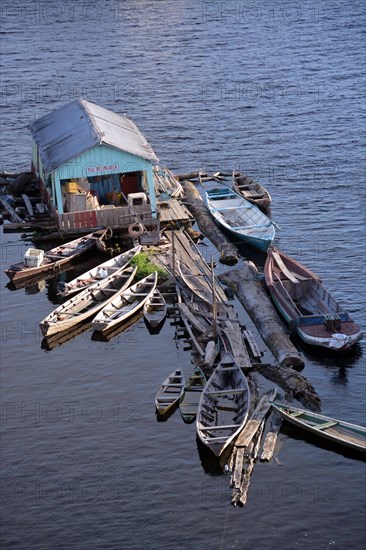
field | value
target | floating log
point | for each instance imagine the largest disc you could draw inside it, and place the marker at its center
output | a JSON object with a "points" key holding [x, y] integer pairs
{"points": [[194, 235], [194, 202], [190, 176], [271, 438], [244, 282], [294, 384], [29, 226]]}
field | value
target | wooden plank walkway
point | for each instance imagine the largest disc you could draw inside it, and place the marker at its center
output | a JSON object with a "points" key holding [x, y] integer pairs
{"points": [[187, 253], [201, 314], [173, 211]]}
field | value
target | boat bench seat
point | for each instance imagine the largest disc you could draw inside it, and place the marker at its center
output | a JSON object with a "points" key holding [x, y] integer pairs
{"points": [[208, 407], [219, 439], [296, 413], [207, 415], [224, 368], [257, 196], [227, 407], [256, 226], [326, 425], [220, 392], [166, 399], [107, 289], [251, 192], [226, 208], [225, 427], [216, 385]]}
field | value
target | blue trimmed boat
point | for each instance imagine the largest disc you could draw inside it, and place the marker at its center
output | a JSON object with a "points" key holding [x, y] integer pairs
{"points": [[241, 218], [224, 405]]}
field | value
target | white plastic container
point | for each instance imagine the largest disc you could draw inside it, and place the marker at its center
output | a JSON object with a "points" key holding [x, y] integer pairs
{"points": [[136, 199], [33, 257]]}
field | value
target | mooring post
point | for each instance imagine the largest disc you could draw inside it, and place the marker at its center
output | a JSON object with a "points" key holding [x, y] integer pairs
{"points": [[214, 307], [173, 252]]}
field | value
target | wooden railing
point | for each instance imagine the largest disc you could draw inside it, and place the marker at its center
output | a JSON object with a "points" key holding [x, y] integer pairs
{"points": [[121, 217]]}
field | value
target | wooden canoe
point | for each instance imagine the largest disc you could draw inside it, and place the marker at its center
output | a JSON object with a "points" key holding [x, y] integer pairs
{"points": [[87, 302], [170, 392], [126, 304], [155, 309], [306, 305], [56, 259], [97, 273], [241, 218], [224, 405], [196, 283], [252, 191], [337, 431], [189, 400]]}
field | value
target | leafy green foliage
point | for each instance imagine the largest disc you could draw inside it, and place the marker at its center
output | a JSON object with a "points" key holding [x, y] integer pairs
{"points": [[145, 266]]}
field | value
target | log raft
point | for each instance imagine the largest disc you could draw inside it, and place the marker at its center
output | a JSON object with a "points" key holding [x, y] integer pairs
{"points": [[245, 284]]}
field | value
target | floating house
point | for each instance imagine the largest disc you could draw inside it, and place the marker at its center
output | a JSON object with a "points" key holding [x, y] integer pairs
{"points": [[97, 169]]}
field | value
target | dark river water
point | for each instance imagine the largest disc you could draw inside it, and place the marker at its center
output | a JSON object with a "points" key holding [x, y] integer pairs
{"points": [[275, 90]]}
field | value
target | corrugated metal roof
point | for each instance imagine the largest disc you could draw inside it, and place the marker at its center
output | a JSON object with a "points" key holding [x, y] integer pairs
{"points": [[76, 127]]}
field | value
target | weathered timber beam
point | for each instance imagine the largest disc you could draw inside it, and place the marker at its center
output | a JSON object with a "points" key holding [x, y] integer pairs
{"points": [[194, 202], [271, 438], [245, 284], [251, 427], [244, 487]]}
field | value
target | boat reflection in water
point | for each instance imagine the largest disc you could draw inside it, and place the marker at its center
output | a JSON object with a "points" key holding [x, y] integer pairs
{"points": [[211, 463], [106, 336], [51, 342]]}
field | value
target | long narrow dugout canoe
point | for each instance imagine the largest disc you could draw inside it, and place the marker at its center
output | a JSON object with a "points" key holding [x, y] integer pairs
{"points": [[56, 259], [252, 191], [126, 304], [306, 305], [224, 406], [196, 283], [97, 273], [241, 218], [188, 403], [343, 433], [87, 303], [170, 392]]}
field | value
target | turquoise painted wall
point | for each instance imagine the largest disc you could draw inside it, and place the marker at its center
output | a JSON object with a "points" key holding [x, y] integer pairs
{"points": [[102, 159]]}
